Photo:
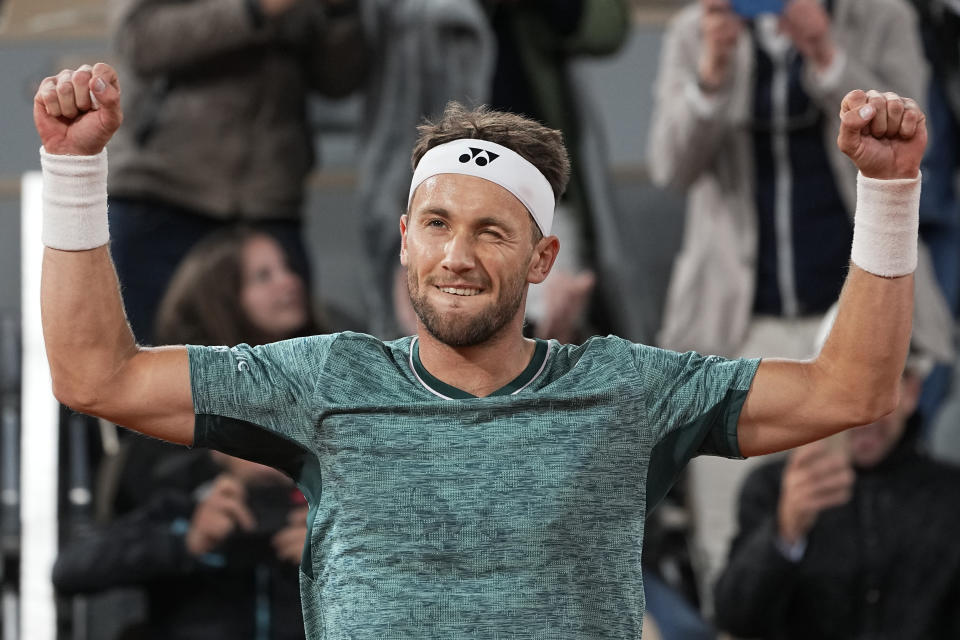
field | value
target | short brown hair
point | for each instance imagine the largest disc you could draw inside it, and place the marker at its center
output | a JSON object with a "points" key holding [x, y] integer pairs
{"points": [[541, 146]]}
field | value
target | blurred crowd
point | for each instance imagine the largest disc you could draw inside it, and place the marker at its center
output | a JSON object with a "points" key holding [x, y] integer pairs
{"points": [[852, 537]]}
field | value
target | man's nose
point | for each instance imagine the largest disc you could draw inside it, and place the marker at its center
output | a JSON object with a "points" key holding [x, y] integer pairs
{"points": [[458, 253]]}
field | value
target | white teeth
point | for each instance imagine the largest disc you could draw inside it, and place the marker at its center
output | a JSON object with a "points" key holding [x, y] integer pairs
{"points": [[460, 292]]}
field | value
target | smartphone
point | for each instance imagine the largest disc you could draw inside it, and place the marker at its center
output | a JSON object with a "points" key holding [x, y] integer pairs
{"points": [[753, 8]]}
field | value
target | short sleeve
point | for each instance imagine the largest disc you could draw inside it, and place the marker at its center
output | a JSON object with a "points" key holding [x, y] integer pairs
{"points": [[258, 402], [693, 403]]}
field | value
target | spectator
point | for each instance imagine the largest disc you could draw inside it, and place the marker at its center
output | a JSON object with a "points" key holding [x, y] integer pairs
{"points": [[768, 215], [218, 564], [235, 286], [744, 120], [200, 537], [217, 128], [849, 538]]}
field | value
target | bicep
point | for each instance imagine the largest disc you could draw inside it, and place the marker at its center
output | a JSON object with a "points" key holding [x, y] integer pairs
{"points": [[151, 394], [789, 404]]}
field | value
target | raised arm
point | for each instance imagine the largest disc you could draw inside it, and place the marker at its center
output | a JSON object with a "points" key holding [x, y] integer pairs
{"points": [[96, 366], [855, 378]]}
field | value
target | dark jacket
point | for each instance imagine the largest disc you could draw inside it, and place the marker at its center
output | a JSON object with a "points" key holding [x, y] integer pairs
{"points": [[884, 565], [239, 593]]}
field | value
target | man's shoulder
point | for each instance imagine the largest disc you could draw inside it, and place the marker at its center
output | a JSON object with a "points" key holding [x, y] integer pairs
{"points": [[604, 349], [366, 345], [643, 357], [346, 341]]}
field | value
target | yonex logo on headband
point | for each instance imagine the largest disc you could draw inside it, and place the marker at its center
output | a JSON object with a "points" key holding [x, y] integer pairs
{"points": [[513, 172], [479, 156]]}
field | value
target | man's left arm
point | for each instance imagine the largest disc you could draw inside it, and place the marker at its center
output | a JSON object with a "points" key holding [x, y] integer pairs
{"points": [[855, 378]]}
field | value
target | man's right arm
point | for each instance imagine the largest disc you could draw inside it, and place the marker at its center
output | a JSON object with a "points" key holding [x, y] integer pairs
{"points": [[95, 364]]}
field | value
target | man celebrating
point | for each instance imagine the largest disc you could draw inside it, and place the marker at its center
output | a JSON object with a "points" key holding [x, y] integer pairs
{"points": [[466, 481]]}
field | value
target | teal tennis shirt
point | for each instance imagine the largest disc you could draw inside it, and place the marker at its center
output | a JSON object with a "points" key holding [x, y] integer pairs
{"points": [[436, 514]]}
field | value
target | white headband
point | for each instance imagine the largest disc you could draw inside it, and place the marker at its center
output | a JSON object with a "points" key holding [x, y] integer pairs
{"points": [[493, 162]]}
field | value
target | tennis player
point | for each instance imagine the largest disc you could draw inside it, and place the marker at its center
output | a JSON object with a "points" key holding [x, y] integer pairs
{"points": [[468, 482]]}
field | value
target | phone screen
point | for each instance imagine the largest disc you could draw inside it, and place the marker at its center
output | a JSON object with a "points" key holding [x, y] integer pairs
{"points": [[753, 8]]}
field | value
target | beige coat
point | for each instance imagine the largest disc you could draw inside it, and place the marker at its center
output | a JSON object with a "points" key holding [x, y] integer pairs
{"points": [[707, 150]]}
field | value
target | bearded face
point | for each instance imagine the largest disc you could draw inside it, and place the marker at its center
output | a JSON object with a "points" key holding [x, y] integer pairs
{"points": [[470, 251], [463, 328]]}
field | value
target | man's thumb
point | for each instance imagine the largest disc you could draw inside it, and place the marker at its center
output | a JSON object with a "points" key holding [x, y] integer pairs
{"points": [[852, 124]]}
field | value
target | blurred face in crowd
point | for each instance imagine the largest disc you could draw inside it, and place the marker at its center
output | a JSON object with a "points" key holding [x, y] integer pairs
{"points": [[469, 252], [870, 444], [272, 295]]}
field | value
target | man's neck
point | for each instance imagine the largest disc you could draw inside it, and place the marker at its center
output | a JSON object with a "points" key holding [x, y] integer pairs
{"points": [[479, 370]]}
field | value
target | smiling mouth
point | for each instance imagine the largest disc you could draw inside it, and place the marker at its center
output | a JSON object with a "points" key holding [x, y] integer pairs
{"points": [[457, 291]]}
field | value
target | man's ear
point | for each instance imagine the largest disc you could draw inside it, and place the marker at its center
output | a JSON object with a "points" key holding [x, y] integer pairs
{"points": [[403, 239], [544, 255]]}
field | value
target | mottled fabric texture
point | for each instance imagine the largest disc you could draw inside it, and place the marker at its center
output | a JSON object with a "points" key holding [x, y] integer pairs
{"points": [[511, 516]]}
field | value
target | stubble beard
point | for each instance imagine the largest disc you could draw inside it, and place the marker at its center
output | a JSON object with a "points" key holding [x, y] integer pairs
{"points": [[458, 330]]}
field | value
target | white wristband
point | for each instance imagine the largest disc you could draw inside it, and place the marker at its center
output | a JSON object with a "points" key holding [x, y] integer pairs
{"points": [[74, 201], [886, 225]]}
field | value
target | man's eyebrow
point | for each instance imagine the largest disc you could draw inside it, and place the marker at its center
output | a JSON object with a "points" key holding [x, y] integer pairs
{"points": [[436, 211], [492, 221]]}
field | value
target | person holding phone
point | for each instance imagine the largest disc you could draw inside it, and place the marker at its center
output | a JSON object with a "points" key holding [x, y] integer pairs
{"points": [[850, 537], [744, 122], [217, 563]]}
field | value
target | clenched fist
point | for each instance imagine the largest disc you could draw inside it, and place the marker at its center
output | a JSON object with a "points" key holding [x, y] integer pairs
{"points": [[885, 135], [77, 111]]}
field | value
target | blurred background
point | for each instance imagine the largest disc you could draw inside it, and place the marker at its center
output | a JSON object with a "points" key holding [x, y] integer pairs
{"points": [[631, 94]]}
